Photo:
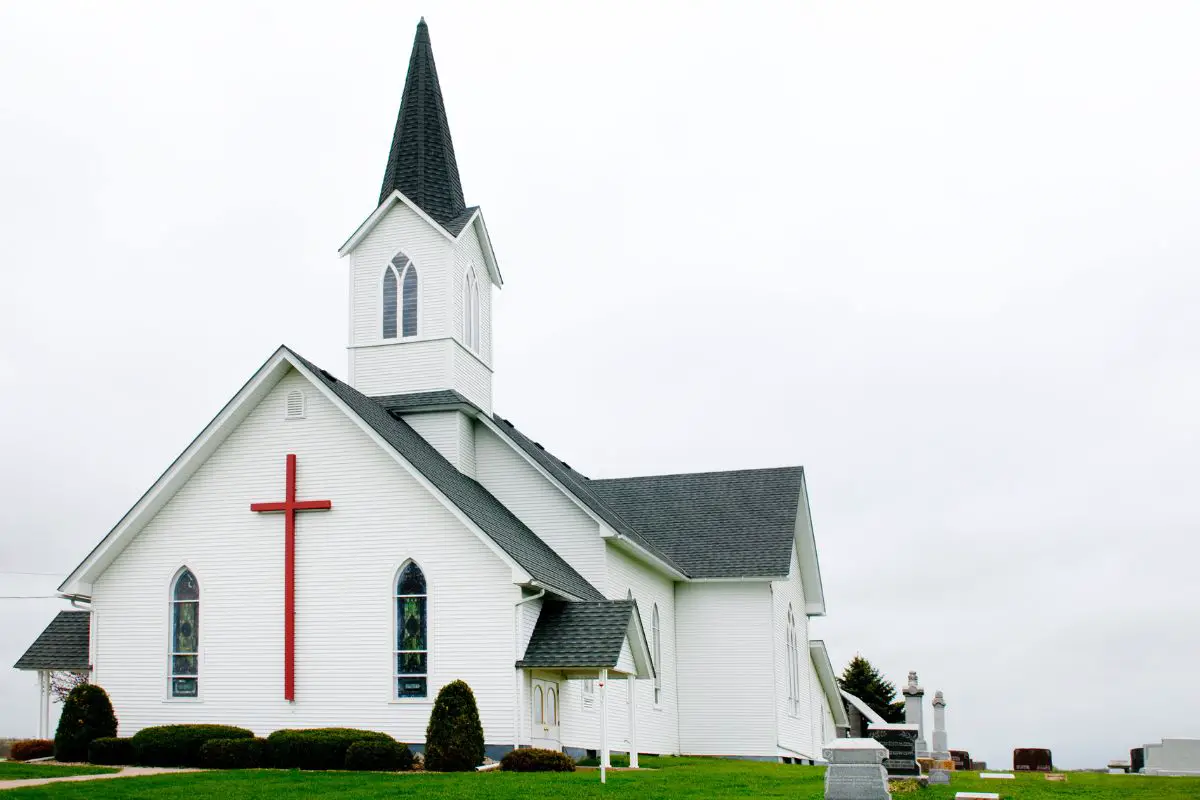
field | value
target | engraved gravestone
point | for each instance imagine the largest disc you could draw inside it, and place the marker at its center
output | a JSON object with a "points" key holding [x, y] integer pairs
{"points": [[901, 744], [856, 770], [1137, 759], [961, 759], [1032, 759], [939, 770]]}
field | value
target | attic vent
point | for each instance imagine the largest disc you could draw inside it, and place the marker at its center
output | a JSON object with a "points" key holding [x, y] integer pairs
{"points": [[295, 405]]}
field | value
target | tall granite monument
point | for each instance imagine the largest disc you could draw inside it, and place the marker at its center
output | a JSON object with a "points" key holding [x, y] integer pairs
{"points": [[939, 770], [914, 700]]}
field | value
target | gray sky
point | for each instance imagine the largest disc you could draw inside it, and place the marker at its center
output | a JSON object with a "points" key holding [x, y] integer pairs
{"points": [[942, 254]]}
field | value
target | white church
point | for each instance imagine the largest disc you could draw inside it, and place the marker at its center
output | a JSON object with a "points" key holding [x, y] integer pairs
{"points": [[330, 551]]}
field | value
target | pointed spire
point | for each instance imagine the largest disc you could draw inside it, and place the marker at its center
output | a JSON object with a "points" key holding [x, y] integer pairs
{"points": [[421, 163]]}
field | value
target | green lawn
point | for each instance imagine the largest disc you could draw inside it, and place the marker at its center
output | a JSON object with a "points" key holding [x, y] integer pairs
{"points": [[695, 778], [19, 770]]}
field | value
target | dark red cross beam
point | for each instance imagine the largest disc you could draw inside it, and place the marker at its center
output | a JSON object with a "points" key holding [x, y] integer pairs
{"points": [[289, 507]]}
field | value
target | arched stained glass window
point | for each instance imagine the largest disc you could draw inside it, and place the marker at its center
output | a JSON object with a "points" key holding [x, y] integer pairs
{"points": [[412, 633], [539, 706], [657, 645], [400, 289], [551, 707], [184, 656]]}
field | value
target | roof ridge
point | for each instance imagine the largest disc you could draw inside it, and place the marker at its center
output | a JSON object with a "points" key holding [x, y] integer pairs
{"points": [[746, 471]]}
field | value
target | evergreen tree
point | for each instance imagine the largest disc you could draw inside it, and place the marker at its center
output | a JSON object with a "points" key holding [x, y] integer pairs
{"points": [[454, 739], [866, 683], [87, 714]]}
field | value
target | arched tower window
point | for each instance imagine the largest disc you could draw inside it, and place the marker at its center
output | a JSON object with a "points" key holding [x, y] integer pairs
{"points": [[412, 633], [184, 657], [656, 635], [471, 310], [793, 656], [400, 289]]}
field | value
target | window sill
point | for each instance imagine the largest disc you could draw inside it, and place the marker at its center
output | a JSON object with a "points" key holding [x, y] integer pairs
{"points": [[410, 701]]}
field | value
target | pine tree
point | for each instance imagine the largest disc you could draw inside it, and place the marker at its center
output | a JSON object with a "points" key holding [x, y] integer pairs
{"points": [[865, 682]]}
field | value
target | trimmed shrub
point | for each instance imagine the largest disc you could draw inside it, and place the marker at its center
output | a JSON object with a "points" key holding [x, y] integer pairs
{"points": [[111, 751], [234, 753], [454, 738], [179, 745], [535, 759], [87, 714], [25, 749], [316, 748], [371, 755]]}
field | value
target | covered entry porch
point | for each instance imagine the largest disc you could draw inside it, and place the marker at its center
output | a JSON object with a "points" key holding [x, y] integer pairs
{"points": [[597, 641]]}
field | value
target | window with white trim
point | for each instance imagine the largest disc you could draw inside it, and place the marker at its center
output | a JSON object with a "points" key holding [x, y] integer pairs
{"points": [[657, 644], [412, 634], [470, 310], [793, 658], [184, 657], [400, 288]]}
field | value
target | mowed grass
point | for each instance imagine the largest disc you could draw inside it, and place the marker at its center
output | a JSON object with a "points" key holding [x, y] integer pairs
{"points": [[20, 770], [685, 778]]}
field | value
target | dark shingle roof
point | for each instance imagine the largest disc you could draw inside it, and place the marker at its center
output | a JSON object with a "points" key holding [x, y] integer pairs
{"points": [[585, 490], [455, 226], [422, 401], [523, 545], [63, 645], [579, 634], [421, 163], [714, 524]]}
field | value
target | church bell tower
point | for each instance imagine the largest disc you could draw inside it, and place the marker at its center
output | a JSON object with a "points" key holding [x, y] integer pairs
{"points": [[421, 265]]}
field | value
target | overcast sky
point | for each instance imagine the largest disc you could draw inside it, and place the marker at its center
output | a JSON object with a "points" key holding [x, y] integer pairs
{"points": [[942, 254]]}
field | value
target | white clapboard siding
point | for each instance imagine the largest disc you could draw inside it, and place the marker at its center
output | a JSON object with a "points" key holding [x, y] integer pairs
{"points": [[800, 732], [468, 254], [471, 377], [451, 432], [400, 230], [347, 561], [726, 676], [539, 504], [401, 367]]}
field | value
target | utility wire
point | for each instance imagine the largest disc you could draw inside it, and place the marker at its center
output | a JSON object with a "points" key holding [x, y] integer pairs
{"points": [[18, 572]]}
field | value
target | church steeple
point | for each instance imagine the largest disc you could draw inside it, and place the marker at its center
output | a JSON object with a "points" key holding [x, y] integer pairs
{"points": [[421, 162]]}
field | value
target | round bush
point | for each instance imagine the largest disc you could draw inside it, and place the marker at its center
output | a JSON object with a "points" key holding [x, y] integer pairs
{"points": [[26, 749], [87, 714], [179, 745], [535, 759], [111, 751], [234, 753], [317, 748], [372, 755], [454, 738]]}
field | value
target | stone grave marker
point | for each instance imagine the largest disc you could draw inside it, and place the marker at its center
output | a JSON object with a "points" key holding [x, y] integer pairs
{"points": [[914, 699], [979, 766], [961, 759], [901, 744], [997, 776], [1137, 759], [976, 796], [1172, 757], [856, 770], [1032, 759], [942, 765]]}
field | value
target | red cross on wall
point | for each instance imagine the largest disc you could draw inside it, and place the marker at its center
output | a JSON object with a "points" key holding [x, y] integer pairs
{"points": [[289, 507]]}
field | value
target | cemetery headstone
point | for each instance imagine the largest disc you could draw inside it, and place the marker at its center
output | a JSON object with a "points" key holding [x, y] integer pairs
{"points": [[1032, 759], [856, 770], [961, 759], [1172, 757], [997, 776], [901, 744], [1137, 759], [914, 699], [978, 766], [976, 796], [939, 770]]}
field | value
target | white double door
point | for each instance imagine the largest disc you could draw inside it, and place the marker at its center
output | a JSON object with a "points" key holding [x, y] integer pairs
{"points": [[544, 700]]}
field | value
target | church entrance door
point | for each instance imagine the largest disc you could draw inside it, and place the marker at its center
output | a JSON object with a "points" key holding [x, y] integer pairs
{"points": [[544, 700]]}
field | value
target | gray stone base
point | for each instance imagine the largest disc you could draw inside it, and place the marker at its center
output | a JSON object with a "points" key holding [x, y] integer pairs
{"points": [[856, 782]]}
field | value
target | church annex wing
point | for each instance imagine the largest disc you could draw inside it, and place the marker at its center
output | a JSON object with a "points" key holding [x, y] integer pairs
{"points": [[508, 536]]}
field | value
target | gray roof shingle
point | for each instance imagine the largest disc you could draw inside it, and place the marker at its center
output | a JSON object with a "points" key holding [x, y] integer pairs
{"points": [[579, 634], [421, 162], [501, 525], [715, 524], [63, 645]]}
